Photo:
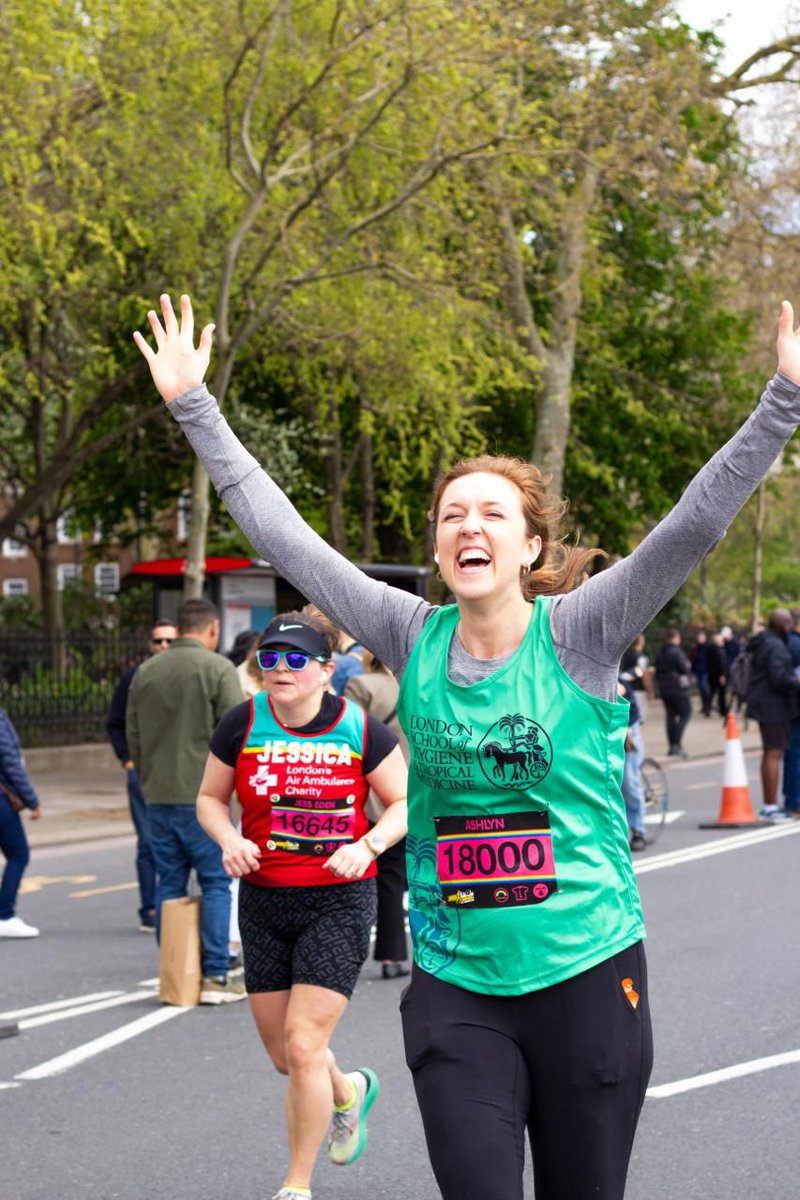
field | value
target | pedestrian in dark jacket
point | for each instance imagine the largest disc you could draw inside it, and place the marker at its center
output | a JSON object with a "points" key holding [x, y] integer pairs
{"points": [[699, 657], [16, 795], [673, 670], [717, 664], [772, 700]]}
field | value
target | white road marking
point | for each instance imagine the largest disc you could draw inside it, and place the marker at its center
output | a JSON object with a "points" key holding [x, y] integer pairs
{"points": [[9, 1085], [149, 983], [677, 858], [663, 1090], [72, 1058], [673, 814], [84, 1009], [54, 1005]]}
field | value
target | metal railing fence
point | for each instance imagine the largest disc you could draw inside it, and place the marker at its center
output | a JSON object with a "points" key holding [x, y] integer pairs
{"points": [[57, 690]]}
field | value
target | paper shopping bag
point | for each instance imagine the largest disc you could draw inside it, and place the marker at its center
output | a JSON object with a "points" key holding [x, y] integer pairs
{"points": [[179, 952]]}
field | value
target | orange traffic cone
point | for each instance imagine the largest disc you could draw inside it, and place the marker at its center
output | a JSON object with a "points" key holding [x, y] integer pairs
{"points": [[735, 811]]}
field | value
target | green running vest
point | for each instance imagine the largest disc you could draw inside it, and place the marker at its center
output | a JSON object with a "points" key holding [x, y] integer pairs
{"points": [[519, 871]]}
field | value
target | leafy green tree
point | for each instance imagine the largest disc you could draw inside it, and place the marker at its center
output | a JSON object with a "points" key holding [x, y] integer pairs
{"points": [[81, 90], [338, 116], [639, 146]]}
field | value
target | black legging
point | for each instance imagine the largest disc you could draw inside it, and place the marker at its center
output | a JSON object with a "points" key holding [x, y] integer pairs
{"points": [[390, 927], [569, 1063], [677, 709]]}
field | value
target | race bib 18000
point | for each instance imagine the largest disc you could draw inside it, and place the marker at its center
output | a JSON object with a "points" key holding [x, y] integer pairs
{"points": [[495, 861]]}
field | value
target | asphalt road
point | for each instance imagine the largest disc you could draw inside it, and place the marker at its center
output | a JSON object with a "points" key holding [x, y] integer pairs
{"points": [[134, 1101]]}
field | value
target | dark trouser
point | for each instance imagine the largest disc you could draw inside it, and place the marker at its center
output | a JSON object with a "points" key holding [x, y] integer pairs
{"points": [[791, 770], [678, 709], [704, 692], [390, 929], [718, 692], [145, 863], [569, 1063], [14, 846]]}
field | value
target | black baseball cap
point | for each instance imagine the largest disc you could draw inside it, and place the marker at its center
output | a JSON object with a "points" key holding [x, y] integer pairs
{"points": [[291, 631]]}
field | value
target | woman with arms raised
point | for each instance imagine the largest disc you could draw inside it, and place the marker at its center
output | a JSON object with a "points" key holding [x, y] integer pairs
{"points": [[528, 1004]]}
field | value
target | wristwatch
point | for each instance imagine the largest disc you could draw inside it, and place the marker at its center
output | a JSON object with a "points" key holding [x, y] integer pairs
{"points": [[375, 843]]}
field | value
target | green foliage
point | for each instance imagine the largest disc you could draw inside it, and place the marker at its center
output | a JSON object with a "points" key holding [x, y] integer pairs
{"points": [[330, 183]]}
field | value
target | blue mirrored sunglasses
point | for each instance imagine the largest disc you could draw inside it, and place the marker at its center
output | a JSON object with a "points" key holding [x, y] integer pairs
{"points": [[296, 660]]}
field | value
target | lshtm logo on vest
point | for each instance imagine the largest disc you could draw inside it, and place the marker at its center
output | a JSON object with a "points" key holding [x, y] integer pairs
{"points": [[515, 752]]}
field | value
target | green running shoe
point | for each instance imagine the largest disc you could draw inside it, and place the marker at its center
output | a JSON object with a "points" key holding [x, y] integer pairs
{"points": [[347, 1135]]}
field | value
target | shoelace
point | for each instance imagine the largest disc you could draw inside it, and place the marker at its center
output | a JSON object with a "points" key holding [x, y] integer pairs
{"points": [[341, 1127]]}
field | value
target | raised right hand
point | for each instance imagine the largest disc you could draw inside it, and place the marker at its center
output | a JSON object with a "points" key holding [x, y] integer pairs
{"points": [[176, 366]]}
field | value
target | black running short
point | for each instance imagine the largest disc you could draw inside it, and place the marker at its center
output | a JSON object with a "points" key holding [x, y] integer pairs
{"points": [[774, 735], [315, 935]]}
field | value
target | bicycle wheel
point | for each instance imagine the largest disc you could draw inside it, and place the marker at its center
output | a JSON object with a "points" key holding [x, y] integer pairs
{"points": [[656, 797]]}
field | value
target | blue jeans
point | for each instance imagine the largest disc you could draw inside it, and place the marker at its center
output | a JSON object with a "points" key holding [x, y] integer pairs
{"points": [[791, 769], [632, 790], [145, 863], [180, 843], [14, 846]]}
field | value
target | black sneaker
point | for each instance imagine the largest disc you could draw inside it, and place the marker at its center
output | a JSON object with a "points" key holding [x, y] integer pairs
{"points": [[638, 842]]}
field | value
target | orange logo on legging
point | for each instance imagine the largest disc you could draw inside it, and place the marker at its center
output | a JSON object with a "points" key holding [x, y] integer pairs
{"points": [[627, 987]]}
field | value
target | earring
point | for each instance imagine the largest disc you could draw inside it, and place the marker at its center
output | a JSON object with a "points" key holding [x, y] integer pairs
{"points": [[436, 559]]}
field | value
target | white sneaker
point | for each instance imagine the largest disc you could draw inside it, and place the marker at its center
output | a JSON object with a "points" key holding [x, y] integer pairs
{"points": [[15, 927]]}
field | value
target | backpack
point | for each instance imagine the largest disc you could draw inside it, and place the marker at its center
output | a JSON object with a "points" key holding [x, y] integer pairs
{"points": [[740, 674]]}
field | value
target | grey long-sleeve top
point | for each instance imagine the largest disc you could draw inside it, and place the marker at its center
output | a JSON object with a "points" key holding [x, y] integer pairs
{"points": [[591, 626]]}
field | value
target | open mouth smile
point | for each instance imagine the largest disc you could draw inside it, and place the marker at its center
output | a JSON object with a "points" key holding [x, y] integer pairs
{"points": [[472, 559]]}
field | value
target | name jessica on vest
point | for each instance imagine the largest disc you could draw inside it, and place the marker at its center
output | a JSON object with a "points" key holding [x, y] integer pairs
{"points": [[330, 753]]}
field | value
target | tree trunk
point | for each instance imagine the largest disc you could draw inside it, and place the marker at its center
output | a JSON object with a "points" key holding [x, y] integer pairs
{"points": [[556, 356], [553, 416], [367, 498], [334, 473], [45, 548], [195, 572]]}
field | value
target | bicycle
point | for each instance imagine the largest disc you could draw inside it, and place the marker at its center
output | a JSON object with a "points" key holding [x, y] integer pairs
{"points": [[656, 797]]}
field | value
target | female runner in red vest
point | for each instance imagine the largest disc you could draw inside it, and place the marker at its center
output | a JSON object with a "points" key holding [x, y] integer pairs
{"points": [[302, 762]]}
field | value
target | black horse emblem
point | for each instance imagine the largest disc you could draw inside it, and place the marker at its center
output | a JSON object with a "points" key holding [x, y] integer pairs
{"points": [[515, 753]]}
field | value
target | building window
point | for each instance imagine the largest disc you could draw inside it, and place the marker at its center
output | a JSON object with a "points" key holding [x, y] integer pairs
{"points": [[15, 587], [106, 579], [14, 549], [68, 573], [66, 533]]}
